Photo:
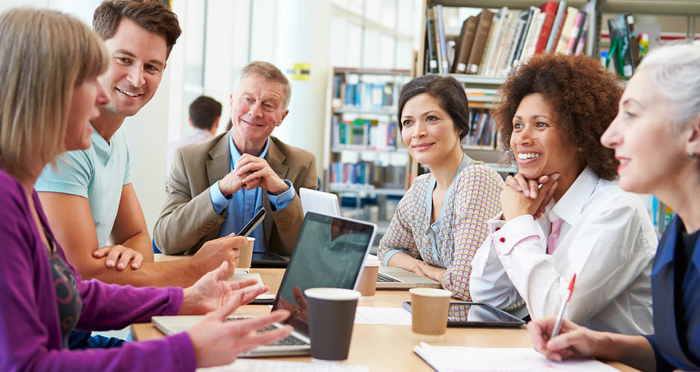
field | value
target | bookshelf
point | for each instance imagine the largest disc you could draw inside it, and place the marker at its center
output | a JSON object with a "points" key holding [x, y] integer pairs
{"points": [[689, 9], [488, 79], [365, 158]]}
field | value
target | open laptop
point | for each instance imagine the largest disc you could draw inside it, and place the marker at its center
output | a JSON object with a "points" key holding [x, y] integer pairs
{"points": [[388, 277], [329, 252], [319, 202]]}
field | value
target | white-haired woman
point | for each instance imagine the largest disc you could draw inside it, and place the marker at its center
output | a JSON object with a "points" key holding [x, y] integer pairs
{"points": [[49, 64], [656, 138]]}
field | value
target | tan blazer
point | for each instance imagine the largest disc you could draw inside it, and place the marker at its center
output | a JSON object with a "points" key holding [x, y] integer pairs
{"points": [[188, 219]]}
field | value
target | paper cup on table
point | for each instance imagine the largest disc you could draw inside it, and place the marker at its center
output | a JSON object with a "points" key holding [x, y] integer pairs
{"points": [[429, 307], [246, 254], [367, 285], [331, 313]]}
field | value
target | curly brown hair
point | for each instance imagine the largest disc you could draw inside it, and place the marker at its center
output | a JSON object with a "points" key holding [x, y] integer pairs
{"points": [[584, 95]]}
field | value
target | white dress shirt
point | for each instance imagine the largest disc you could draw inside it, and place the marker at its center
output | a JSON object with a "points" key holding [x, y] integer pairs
{"points": [[606, 238]]}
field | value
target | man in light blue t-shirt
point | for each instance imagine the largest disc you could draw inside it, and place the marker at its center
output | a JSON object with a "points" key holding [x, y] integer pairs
{"points": [[88, 197]]}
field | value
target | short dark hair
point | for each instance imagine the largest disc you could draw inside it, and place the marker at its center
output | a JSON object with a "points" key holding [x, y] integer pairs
{"points": [[204, 111], [152, 15], [450, 96], [582, 93]]}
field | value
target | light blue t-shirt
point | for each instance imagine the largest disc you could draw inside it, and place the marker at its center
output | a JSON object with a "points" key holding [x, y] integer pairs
{"points": [[244, 203], [98, 174]]}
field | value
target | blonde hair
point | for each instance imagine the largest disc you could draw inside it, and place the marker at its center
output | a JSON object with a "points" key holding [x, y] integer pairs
{"points": [[44, 55]]}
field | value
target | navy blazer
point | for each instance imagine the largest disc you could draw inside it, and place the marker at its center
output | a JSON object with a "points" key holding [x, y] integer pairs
{"points": [[672, 353]]}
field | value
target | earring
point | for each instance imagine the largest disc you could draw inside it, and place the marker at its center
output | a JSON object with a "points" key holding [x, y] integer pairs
{"points": [[580, 149], [692, 155]]}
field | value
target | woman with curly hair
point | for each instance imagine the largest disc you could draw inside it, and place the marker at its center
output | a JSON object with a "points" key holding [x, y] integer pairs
{"points": [[564, 213], [656, 137], [440, 222]]}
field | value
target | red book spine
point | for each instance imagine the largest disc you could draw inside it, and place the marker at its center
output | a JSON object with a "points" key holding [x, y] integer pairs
{"points": [[550, 7]]}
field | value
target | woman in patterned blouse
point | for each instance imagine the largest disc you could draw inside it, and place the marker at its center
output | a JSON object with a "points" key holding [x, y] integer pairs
{"points": [[441, 220]]}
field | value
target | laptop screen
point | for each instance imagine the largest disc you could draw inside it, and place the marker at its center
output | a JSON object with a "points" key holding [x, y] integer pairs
{"points": [[329, 253]]}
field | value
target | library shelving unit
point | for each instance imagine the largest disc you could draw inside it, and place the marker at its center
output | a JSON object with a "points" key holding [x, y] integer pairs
{"points": [[364, 155]]}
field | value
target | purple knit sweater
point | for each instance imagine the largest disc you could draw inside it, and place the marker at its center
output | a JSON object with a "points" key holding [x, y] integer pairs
{"points": [[30, 333]]}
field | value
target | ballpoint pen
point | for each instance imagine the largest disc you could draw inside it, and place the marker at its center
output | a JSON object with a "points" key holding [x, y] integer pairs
{"points": [[560, 317]]}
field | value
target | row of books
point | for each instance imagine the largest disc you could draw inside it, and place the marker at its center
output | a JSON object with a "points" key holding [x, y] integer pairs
{"points": [[626, 48], [368, 92], [482, 132], [366, 175], [367, 134], [493, 44]]}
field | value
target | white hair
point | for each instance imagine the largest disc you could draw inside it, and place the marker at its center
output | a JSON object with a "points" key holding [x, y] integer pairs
{"points": [[268, 71], [675, 74]]}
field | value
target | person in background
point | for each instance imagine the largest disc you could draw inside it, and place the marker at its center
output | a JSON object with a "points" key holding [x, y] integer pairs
{"points": [[552, 113], [216, 187], [440, 222], [42, 295], [205, 113], [95, 183], [656, 138]]}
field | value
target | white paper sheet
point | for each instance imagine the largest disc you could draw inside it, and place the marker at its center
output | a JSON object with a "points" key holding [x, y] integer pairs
{"points": [[257, 365], [382, 315], [457, 358]]}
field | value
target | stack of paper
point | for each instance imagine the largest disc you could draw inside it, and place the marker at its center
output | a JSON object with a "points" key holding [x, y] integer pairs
{"points": [[256, 365], [457, 358]]}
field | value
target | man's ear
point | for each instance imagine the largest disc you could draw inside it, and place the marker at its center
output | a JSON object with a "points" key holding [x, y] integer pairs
{"points": [[216, 123], [692, 144], [284, 115], [189, 120]]}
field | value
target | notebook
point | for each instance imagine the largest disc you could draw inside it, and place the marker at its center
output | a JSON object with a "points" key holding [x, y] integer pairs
{"points": [[329, 252], [319, 202]]}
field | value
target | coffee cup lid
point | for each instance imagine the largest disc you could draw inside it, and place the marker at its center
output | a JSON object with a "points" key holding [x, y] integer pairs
{"points": [[371, 260], [335, 294]]}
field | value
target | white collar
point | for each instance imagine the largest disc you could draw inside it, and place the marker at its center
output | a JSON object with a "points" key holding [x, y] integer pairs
{"points": [[571, 204]]}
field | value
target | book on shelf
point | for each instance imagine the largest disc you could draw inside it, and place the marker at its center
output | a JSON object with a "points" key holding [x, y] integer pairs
{"points": [[464, 45], [624, 45], [566, 30], [556, 27], [505, 39], [431, 65], [363, 134], [366, 176], [480, 40], [442, 42], [550, 9], [366, 92], [482, 132]]}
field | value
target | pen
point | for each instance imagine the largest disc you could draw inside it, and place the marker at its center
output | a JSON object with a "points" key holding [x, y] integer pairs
{"points": [[560, 317]]}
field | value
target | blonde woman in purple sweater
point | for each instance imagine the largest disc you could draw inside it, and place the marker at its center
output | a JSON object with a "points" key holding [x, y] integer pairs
{"points": [[49, 64]]}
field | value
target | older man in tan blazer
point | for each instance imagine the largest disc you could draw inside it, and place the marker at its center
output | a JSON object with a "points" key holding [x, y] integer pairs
{"points": [[215, 187]]}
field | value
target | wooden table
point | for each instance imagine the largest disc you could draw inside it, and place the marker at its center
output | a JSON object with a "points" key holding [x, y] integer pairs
{"points": [[384, 347]]}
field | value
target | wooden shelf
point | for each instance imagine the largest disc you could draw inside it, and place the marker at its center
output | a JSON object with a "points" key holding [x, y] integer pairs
{"points": [[371, 71], [353, 110], [366, 190], [478, 79], [655, 7], [368, 149]]}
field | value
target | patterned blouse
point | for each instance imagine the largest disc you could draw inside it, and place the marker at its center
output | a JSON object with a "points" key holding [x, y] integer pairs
{"points": [[451, 242]]}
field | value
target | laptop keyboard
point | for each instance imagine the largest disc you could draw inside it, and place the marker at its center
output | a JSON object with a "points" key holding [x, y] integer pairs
{"points": [[287, 341], [385, 279]]}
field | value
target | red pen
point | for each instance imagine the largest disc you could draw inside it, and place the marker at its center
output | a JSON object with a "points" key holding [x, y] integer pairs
{"points": [[560, 317]]}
